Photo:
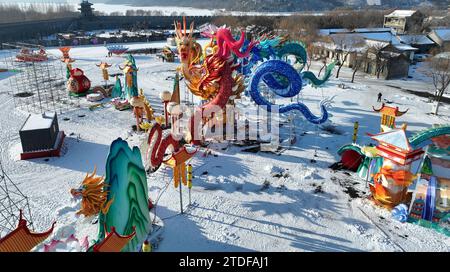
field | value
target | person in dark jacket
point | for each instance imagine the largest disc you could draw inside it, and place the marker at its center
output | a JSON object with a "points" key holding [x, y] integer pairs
{"points": [[379, 97]]}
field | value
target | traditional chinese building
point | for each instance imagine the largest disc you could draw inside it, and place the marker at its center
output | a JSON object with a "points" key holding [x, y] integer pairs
{"points": [[388, 115], [391, 183], [86, 10]]}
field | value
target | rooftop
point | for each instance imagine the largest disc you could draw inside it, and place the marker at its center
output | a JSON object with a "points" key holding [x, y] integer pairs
{"points": [[401, 13], [415, 39], [395, 138], [405, 47], [443, 33], [39, 121]]}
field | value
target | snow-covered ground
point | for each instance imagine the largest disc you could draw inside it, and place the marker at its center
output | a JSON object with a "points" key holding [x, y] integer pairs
{"points": [[242, 201]]}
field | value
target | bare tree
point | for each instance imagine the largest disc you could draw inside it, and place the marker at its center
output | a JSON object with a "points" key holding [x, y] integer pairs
{"points": [[140, 12], [230, 21], [35, 11], [310, 49], [346, 44], [116, 13], [324, 64], [359, 62], [130, 12], [440, 72], [376, 49]]}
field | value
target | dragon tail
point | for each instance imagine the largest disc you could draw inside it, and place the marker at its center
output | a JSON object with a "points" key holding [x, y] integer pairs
{"points": [[304, 110], [316, 81]]}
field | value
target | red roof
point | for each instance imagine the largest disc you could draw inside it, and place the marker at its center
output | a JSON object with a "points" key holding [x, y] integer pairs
{"points": [[391, 111]]}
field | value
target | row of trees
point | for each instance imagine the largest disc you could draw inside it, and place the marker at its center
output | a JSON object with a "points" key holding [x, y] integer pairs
{"points": [[296, 24], [30, 12], [141, 12]]}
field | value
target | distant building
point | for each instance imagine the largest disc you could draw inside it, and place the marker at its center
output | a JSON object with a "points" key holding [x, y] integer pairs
{"points": [[86, 10], [419, 41], [339, 37], [383, 53], [404, 21], [440, 36], [390, 64]]}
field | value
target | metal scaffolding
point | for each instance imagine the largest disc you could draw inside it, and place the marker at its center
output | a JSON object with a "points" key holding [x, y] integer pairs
{"points": [[12, 201], [37, 85]]}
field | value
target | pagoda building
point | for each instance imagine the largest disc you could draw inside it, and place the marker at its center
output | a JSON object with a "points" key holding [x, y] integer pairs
{"points": [[388, 115], [86, 10], [391, 183]]}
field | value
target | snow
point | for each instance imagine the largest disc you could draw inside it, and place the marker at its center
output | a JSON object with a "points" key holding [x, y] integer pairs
{"points": [[415, 39], [381, 36], [109, 8], [405, 47], [189, 11], [401, 13], [241, 201], [443, 33], [39, 121]]}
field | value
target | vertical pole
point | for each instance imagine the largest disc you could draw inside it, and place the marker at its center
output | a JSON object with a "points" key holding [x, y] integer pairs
{"points": [[181, 199], [36, 81], [190, 181], [166, 114], [355, 132]]}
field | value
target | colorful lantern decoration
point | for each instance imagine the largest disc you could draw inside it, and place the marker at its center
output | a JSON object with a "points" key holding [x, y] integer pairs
{"points": [[104, 67], [127, 221], [166, 97], [146, 246], [211, 76], [29, 55], [130, 72], [430, 205], [167, 54], [65, 54], [117, 89], [391, 182], [116, 49], [388, 115], [400, 213], [78, 84]]}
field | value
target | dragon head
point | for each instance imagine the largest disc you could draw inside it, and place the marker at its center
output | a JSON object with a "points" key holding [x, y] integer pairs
{"points": [[184, 41], [93, 196]]}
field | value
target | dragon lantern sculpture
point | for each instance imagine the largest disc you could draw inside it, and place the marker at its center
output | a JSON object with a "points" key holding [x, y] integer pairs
{"points": [[210, 76]]}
